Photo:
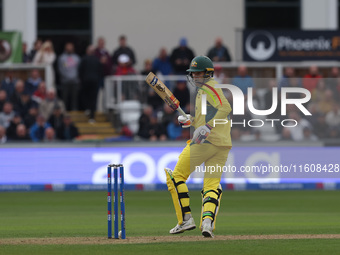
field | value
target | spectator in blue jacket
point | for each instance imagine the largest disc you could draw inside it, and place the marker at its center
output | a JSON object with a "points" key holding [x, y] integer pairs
{"points": [[162, 63], [243, 80], [8, 83], [33, 81], [37, 131], [219, 52], [174, 130]]}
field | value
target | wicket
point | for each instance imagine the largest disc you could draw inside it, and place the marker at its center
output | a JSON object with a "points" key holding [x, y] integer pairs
{"points": [[115, 201]]}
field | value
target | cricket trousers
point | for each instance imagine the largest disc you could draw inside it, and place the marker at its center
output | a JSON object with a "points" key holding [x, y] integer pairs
{"points": [[189, 161]]}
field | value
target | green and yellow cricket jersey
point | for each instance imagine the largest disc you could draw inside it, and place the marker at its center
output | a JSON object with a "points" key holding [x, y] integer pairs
{"points": [[218, 108]]}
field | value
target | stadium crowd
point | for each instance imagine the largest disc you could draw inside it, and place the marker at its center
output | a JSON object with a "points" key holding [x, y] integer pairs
{"points": [[36, 110]]}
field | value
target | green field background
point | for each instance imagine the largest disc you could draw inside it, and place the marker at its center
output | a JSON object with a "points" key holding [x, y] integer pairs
{"points": [[84, 214]]}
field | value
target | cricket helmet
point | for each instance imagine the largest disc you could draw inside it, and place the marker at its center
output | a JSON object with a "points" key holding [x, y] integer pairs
{"points": [[201, 64]]}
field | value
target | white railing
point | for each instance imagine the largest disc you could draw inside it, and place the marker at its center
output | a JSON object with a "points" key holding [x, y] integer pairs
{"points": [[48, 72], [113, 93]]}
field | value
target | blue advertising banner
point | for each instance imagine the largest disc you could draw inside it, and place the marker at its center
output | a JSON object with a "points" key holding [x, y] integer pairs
{"points": [[144, 165], [290, 45]]}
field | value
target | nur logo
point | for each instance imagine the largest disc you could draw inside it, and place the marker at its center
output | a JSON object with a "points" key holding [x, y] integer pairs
{"points": [[204, 98]]}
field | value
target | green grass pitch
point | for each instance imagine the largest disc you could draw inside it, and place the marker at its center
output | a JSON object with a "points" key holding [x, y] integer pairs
{"points": [[150, 214]]}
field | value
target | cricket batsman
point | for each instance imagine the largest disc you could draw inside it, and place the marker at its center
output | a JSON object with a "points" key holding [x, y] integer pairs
{"points": [[210, 144]]}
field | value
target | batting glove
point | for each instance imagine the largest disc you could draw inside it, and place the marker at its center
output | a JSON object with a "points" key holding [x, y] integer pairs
{"points": [[185, 122], [201, 133]]}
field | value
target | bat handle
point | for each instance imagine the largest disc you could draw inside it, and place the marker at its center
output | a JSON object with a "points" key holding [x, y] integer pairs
{"points": [[179, 109]]}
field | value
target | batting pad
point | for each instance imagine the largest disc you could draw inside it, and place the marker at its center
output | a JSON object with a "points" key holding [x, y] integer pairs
{"points": [[180, 196], [210, 204]]}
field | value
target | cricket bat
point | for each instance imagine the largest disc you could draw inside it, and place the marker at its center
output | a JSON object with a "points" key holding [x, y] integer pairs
{"points": [[159, 87]]}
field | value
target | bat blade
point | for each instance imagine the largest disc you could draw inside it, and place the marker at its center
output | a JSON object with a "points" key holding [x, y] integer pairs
{"points": [[159, 87]]}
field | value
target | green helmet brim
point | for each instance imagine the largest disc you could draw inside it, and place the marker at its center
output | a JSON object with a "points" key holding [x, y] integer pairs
{"points": [[195, 70]]}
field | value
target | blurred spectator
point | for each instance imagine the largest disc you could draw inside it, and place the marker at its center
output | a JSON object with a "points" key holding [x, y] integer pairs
{"points": [[174, 129], [46, 55], [243, 80], [240, 121], [124, 68], [147, 67], [313, 109], [49, 135], [67, 131], [162, 66], [167, 116], [145, 87], [31, 117], [68, 64], [321, 128], [56, 119], [311, 79], [333, 81], [257, 103], [123, 49], [293, 82], [318, 94], [3, 99], [8, 82], [40, 94], [25, 55], [3, 138], [21, 133], [104, 58], [19, 89], [37, 131], [12, 128], [297, 131], [219, 75], [90, 72], [162, 63], [154, 100], [51, 101], [308, 135], [286, 134], [326, 103], [289, 79], [36, 47], [268, 96], [126, 132], [33, 81], [6, 115], [130, 89], [219, 52], [333, 116], [145, 129], [148, 127], [257, 135], [181, 57], [24, 104], [268, 102], [235, 134], [182, 93]]}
